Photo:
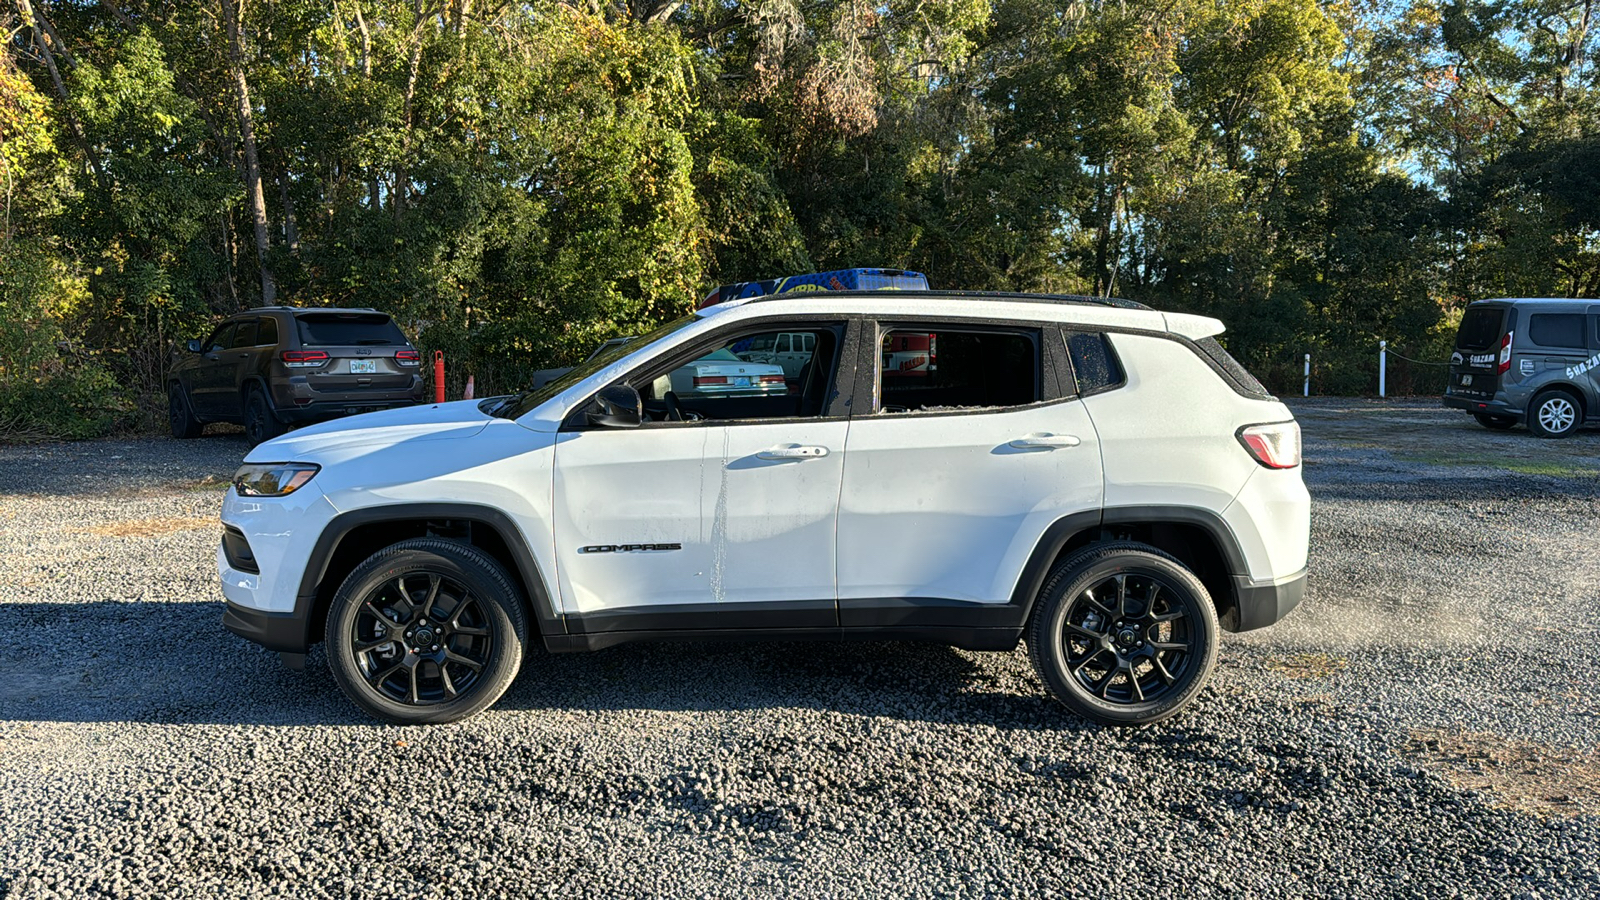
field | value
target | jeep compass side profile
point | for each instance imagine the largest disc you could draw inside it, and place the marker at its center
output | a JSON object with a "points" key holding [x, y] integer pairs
{"points": [[1096, 479]]}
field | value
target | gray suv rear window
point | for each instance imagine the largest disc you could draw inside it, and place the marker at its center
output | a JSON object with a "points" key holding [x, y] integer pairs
{"points": [[333, 329], [1557, 330]]}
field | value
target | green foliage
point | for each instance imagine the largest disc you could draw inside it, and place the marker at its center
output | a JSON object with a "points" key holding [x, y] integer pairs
{"points": [[517, 182]]}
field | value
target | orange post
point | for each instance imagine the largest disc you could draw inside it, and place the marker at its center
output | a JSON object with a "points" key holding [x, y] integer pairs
{"points": [[438, 376]]}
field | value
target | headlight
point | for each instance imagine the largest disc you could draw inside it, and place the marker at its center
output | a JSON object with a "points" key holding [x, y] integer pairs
{"points": [[272, 479]]}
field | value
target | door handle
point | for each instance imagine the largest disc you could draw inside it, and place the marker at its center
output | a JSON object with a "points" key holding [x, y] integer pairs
{"points": [[1045, 441], [793, 453]]}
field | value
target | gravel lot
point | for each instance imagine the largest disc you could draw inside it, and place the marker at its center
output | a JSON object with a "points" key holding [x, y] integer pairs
{"points": [[1425, 724]]}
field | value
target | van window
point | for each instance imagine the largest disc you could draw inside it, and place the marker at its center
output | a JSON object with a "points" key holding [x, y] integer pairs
{"points": [[1480, 328], [1557, 330]]}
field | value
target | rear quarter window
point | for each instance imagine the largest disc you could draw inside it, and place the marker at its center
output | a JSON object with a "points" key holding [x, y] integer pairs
{"points": [[1094, 363], [1563, 330], [333, 329], [1235, 374]]}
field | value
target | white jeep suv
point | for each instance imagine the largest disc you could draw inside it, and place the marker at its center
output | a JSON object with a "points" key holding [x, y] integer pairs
{"points": [[1095, 478]]}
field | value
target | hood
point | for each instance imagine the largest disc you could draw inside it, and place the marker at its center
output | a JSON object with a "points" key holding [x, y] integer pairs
{"points": [[368, 431]]}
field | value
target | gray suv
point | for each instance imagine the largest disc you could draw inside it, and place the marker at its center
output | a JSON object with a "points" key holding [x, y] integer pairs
{"points": [[271, 367], [1531, 360]]}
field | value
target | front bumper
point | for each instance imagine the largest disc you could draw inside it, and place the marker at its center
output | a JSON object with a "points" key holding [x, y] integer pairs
{"points": [[1263, 603], [283, 632]]}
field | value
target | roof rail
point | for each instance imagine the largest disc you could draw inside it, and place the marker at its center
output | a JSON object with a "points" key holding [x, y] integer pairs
{"points": [[1010, 296]]}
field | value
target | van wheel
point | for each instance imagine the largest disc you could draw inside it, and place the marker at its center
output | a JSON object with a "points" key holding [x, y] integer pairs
{"points": [[426, 631], [1123, 634], [1494, 423], [1554, 414], [259, 422]]}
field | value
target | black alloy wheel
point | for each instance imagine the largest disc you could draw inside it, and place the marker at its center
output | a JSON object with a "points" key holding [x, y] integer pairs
{"points": [[1494, 423], [179, 417], [428, 630], [1123, 634], [259, 422], [421, 639]]}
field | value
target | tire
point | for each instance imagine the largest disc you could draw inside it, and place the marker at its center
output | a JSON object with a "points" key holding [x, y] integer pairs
{"points": [[259, 422], [473, 612], [1132, 687], [180, 415], [1555, 414], [1494, 423]]}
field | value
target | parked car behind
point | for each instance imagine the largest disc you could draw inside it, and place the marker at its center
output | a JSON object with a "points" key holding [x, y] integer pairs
{"points": [[275, 366], [1529, 360]]}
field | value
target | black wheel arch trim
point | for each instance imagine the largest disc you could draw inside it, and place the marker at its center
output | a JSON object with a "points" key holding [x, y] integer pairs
{"points": [[1063, 531], [528, 573]]}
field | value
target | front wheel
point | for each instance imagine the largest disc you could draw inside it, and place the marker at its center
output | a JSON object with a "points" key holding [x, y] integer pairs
{"points": [[426, 631], [1494, 423], [1123, 634], [1555, 414], [180, 417]]}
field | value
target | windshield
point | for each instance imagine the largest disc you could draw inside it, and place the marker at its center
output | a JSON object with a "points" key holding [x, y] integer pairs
{"points": [[518, 406]]}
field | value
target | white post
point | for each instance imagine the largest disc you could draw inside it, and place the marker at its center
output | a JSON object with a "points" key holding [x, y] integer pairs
{"points": [[1383, 366], [1307, 389]]}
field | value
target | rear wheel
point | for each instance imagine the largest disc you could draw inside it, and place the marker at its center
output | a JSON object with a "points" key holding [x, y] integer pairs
{"points": [[179, 416], [425, 631], [1555, 414], [1123, 634], [259, 422], [1494, 423]]}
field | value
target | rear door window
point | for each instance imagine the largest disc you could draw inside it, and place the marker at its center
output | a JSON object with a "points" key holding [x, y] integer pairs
{"points": [[1559, 330], [1480, 328], [345, 329], [935, 368]]}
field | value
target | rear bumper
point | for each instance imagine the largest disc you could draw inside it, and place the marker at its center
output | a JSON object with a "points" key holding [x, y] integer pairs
{"points": [[296, 401], [1494, 407], [1263, 603]]}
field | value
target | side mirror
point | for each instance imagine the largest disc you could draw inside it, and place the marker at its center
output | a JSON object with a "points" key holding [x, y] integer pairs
{"points": [[192, 345], [620, 407]]}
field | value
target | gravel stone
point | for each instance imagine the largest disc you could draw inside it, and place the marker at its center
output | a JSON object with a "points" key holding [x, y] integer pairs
{"points": [[144, 751]]}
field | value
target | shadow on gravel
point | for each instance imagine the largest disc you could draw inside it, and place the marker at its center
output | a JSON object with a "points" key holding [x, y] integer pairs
{"points": [[173, 663]]}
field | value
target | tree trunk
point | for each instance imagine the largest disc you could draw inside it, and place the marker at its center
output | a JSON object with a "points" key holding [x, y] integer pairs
{"points": [[247, 135], [374, 195], [36, 21]]}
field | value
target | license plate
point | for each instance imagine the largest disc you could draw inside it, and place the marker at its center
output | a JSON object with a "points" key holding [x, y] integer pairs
{"points": [[1466, 381], [363, 366], [739, 381]]}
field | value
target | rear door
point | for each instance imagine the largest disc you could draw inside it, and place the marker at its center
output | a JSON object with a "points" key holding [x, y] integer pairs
{"points": [[1475, 364], [956, 470], [361, 347]]}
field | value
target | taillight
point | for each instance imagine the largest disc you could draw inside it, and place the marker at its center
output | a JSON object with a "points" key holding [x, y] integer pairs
{"points": [[303, 359], [1276, 446], [709, 380], [408, 357], [1505, 352], [772, 379]]}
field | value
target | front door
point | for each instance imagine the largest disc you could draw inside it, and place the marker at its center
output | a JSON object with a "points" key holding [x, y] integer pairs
{"points": [[952, 480], [719, 513], [206, 382]]}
